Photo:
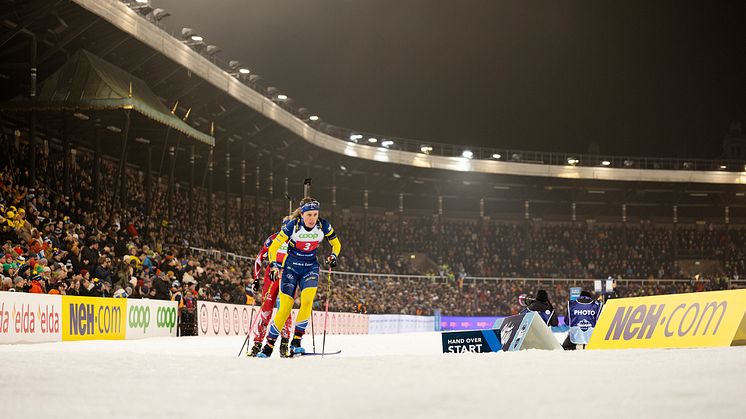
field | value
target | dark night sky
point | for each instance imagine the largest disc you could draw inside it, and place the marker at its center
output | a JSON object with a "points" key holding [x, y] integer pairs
{"points": [[652, 78]]}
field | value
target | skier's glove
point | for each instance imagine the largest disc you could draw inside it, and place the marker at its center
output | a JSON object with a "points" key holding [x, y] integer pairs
{"points": [[274, 271], [332, 261]]}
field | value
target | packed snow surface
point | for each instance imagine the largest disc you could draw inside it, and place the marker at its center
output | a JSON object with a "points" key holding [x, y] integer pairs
{"points": [[376, 376]]}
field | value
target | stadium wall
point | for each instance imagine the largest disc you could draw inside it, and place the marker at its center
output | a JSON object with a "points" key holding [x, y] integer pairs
{"points": [[35, 318], [221, 319], [399, 323]]}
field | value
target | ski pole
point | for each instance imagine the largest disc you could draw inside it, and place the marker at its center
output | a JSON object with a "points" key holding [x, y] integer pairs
{"points": [[313, 334], [251, 327], [326, 310]]}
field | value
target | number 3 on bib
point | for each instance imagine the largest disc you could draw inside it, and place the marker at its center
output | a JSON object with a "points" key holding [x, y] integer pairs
{"points": [[306, 246]]}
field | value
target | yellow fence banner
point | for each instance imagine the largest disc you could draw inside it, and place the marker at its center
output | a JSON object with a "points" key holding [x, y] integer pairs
{"points": [[701, 319], [88, 318]]}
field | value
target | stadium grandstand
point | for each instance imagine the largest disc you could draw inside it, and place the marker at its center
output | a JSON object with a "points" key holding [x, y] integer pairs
{"points": [[123, 139], [161, 204]]}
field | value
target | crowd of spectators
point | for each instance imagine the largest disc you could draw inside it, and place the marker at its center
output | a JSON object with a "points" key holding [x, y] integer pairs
{"points": [[502, 249], [80, 247], [88, 244]]}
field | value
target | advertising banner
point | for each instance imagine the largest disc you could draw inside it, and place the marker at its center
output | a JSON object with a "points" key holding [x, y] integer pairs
{"points": [[338, 323], [527, 331], [399, 323], [476, 341], [691, 320], [92, 318], [513, 329], [151, 318], [467, 322], [220, 319], [515, 333], [27, 318]]}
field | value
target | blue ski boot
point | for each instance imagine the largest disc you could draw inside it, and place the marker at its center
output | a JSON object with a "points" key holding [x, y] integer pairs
{"points": [[266, 351], [295, 348]]}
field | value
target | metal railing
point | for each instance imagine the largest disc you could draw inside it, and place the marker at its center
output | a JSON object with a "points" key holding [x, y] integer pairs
{"points": [[535, 157], [473, 279]]}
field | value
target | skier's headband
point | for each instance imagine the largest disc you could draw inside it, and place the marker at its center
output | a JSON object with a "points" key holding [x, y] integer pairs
{"points": [[310, 206]]}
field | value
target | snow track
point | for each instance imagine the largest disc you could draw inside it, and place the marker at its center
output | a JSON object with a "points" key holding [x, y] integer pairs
{"points": [[376, 376]]}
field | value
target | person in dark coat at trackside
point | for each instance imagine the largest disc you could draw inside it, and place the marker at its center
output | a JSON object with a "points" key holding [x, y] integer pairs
{"points": [[582, 315], [544, 308]]}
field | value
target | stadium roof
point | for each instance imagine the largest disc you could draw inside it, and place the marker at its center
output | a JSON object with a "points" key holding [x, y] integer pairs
{"points": [[327, 137], [89, 83]]}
